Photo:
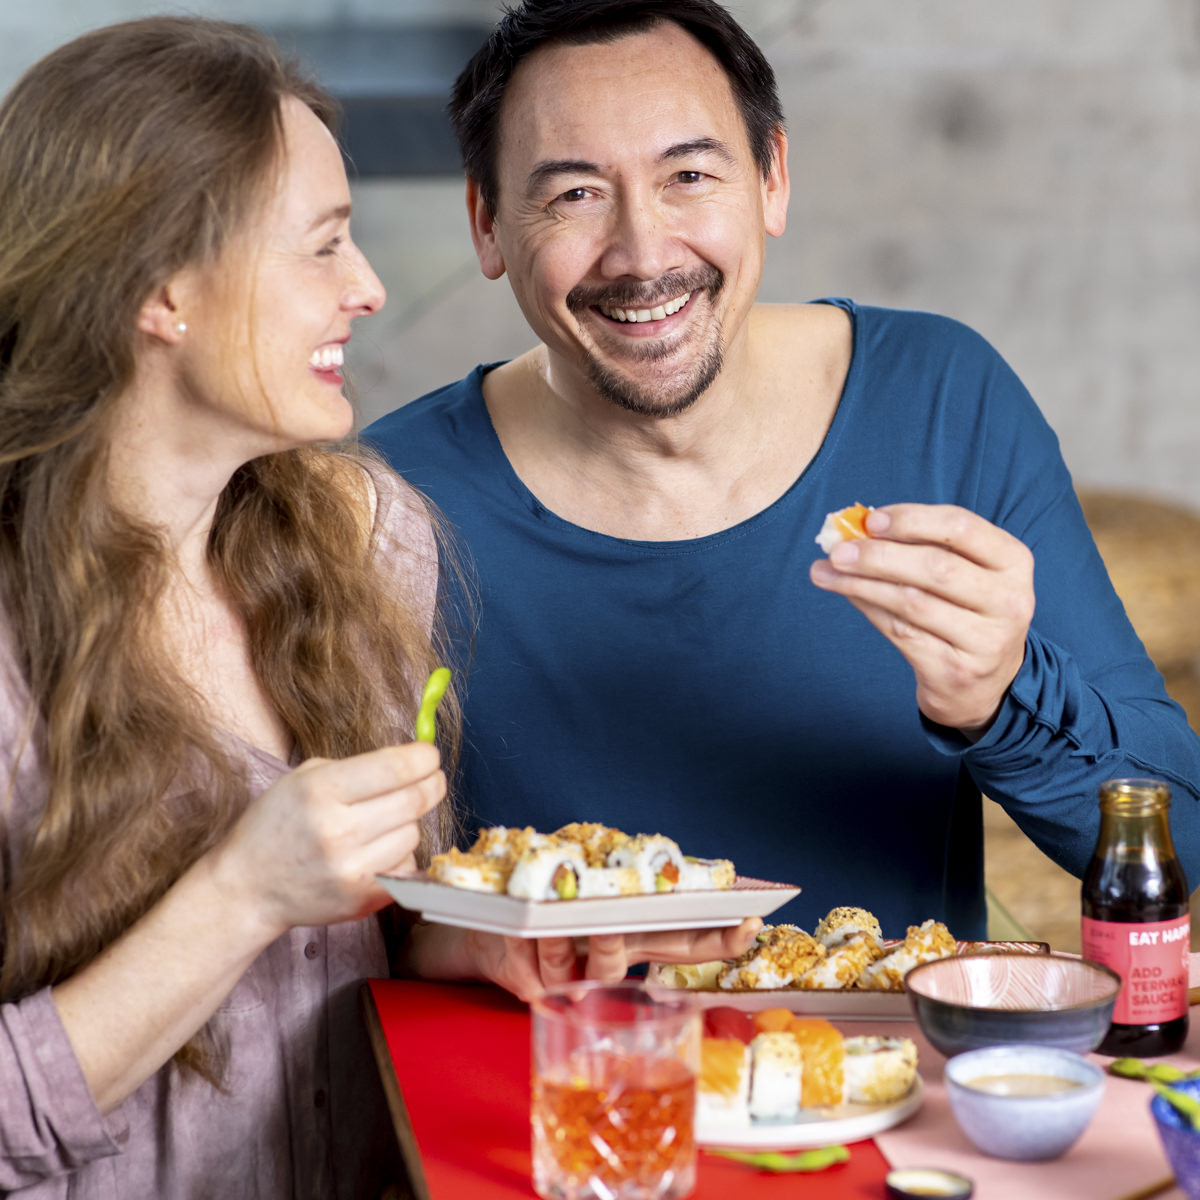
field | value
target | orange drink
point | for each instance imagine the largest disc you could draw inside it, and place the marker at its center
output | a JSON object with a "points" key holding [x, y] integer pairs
{"points": [[614, 1094]]}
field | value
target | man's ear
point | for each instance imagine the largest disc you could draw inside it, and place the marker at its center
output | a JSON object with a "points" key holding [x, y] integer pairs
{"points": [[160, 315], [777, 187], [483, 233]]}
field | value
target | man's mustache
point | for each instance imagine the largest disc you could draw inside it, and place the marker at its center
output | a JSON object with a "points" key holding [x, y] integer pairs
{"points": [[646, 294]]}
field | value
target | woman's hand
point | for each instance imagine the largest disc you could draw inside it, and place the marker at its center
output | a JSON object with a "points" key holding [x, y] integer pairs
{"points": [[307, 850], [526, 967], [952, 592]]}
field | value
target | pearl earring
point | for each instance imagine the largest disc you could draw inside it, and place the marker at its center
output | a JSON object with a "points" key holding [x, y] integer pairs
{"points": [[181, 327]]}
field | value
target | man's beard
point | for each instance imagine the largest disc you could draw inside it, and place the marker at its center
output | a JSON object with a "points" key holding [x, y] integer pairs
{"points": [[628, 393]]}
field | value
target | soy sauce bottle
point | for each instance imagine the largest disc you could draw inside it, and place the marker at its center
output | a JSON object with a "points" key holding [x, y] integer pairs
{"points": [[1135, 918]]}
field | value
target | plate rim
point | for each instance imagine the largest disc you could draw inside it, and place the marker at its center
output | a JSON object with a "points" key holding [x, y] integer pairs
{"points": [[811, 1135]]}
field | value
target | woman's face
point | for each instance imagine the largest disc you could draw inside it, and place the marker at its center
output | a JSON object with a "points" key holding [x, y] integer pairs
{"points": [[266, 330]]}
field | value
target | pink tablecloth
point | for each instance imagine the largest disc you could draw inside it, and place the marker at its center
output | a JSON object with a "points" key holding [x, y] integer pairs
{"points": [[1119, 1152]]}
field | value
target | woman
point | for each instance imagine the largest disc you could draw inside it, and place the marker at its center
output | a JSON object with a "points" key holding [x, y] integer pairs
{"points": [[212, 628]]}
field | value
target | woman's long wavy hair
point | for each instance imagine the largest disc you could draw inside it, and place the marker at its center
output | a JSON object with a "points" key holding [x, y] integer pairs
{"points": [[125, 156]]}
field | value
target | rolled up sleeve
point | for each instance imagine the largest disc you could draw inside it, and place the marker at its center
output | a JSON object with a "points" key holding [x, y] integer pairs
{"points": [[49, 1123]]}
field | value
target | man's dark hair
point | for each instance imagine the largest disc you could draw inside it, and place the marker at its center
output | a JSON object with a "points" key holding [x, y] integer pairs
{"points": [[478, 92]]}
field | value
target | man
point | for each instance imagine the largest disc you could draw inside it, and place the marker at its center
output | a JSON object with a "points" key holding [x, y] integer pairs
{"points": [[660, 644]]}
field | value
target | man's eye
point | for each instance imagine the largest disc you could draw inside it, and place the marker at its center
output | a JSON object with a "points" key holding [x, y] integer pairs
{"points": [[689, 176], [574, 194], [330, 247]]}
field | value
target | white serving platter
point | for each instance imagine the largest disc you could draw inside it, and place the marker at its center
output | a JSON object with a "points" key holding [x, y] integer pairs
{"points": [[817, 1127], [498, 913]]}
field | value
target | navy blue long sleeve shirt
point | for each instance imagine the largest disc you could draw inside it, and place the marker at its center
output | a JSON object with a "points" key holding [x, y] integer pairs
{"points": [[706, 689]]}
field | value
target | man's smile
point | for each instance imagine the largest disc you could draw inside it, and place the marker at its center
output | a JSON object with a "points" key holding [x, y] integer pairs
{"points": [[658, 313]]}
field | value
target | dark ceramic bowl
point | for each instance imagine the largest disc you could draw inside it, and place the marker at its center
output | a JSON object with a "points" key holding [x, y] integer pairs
{"points": [[1180, 1141], [969, 1001]]}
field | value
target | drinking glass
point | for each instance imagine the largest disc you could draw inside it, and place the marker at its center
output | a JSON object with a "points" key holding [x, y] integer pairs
{"points": [[614, 1093]]}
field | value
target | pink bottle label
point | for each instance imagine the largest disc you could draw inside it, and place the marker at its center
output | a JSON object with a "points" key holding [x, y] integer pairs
{"points": [[1152, 959]]}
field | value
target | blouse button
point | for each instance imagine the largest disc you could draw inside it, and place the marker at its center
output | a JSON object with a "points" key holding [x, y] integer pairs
{"points": [[311, 950]]}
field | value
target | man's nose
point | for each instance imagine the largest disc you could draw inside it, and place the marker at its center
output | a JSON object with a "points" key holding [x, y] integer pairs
{"points": [[643, 242]]}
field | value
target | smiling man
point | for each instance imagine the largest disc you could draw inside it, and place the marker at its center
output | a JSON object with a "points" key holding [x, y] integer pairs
{"points": [[660, 645]]}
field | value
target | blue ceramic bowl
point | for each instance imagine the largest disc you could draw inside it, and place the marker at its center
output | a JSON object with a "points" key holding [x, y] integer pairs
{"points": [[1180, 1141], [1025, 1126], [969, 1001]]}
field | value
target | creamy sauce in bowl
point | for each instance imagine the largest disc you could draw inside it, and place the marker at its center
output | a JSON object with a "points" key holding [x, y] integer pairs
{"points": [[1023, 1084]]}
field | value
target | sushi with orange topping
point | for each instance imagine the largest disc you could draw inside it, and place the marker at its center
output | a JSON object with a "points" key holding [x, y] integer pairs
{"points": [[843, 525]]}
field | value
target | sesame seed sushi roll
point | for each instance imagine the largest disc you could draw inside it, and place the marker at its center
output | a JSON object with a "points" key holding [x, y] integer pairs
{"points": [[658, 860], [548, 873], [842, 964], [474, 872], [879, 1069], [843, 525], [924, 943], [841, 923], [779, 956], [706, 874], [723, 1085], [823, 1053], [775, 1079]]}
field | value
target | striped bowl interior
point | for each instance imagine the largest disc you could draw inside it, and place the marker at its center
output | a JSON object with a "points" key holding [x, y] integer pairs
{"points": [[1013, 982]]}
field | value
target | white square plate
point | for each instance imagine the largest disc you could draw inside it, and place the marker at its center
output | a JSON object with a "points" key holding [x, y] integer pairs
{"points": [[498, 913]]}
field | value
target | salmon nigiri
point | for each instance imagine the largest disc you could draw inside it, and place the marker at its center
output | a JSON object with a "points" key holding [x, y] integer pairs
{"points": [[843, 525], [823, 1052]]}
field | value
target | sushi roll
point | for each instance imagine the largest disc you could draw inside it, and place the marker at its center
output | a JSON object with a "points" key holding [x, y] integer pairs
{"points": [[879, 1069], [775, 1079], [842, 964], [843, 525], [779, 956], [609, 881], [474, 872], [697, 976], [723, 1085], [924, 943], [597, 841], [659, 861], [499, 841], [548, 873], [841, 923], [823, 1053], [706, 874]]}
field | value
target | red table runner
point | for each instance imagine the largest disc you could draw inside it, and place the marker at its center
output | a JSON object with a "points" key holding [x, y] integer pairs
{"points": [[460, 1054]]}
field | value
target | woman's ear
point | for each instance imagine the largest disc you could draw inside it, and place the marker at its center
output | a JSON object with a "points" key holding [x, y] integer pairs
{"points": [[160, 315], [483, 233]]}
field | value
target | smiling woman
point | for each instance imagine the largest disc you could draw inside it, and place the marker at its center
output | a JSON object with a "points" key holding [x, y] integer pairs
{"points": [[213, 622]]}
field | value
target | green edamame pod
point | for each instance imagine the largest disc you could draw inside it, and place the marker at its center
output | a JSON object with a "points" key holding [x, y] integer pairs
{"points": [[1134, 1068], [431, 697], [776, 1161]]}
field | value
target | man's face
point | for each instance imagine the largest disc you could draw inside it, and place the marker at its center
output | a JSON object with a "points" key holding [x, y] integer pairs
{"points": [[631, 215]]}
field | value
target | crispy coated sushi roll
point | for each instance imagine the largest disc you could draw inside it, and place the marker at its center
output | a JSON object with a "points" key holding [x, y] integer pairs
{"points": [[879, 1069], [598, 841], [723, 1086], [706, 874], [609, 881], [658, 860], [779, 956], [823, 1052], [843, 525], [499, 841], [843, 963], [475, 872], [548, 873], [775, 1079], [924, 943], [839, 923]]}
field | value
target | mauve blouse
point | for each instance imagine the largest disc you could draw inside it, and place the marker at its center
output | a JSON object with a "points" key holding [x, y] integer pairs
{"points": [[301, 1113]]}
